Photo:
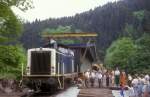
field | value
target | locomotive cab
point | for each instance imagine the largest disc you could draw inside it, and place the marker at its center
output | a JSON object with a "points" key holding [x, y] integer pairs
{"points": [[47, 68], [41, 61]]}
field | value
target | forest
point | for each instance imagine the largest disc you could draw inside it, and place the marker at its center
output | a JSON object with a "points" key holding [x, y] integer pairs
{"points": [[123, 30]]}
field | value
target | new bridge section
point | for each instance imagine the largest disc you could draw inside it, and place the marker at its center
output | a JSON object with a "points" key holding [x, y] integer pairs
{"points": [[95, 92]]}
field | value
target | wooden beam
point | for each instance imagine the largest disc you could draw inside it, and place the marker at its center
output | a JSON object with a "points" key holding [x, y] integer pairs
{"points": [[68, 35]]}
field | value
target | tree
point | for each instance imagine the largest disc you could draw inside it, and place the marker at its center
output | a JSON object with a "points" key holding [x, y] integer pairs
{"points": [[10, 26], [129, 55], [130, 31], [139, 62], [108, 21], [119, 53], [21, 4], [139, 15], [11, 59]]}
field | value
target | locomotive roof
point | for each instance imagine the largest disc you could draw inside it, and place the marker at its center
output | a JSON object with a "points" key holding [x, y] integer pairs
{"points": [[71, 46], [88, 48], [80, 45]]}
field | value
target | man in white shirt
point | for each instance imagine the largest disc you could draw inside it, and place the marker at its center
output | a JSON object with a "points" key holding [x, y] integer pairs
{"points": [[117, 77], [99, 77]]}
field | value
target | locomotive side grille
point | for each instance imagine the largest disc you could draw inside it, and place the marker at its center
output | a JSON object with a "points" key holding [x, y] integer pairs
{"points": [[40, 62]]}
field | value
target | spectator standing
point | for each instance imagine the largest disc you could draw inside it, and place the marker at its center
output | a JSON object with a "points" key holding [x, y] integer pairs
{"points": [[123, 79], [104, 78], [117, 75], [99, 77], [129, 79], [112, 78], [107, 78], [87, 77], [131, 91], [146, 87], [140, 85], [135, 86], [92, 78]]}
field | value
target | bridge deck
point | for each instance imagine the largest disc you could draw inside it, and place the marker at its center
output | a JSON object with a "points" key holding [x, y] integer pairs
{"points": [[95, 92]]}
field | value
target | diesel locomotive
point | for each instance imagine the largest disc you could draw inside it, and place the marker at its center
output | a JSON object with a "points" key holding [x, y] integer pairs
{"points": [[49, 69]]}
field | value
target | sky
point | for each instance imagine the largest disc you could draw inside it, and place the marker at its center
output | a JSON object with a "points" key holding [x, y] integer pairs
{"points": [[44, 9]]}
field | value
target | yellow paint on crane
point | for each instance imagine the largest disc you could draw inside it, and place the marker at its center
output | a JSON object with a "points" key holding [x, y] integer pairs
{"points": [[63, 35]]}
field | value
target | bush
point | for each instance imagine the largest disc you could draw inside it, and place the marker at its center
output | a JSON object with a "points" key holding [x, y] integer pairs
{"points": [[119, 53], [11, 59]]}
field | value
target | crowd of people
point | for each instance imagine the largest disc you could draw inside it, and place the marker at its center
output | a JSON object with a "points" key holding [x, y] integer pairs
{"points": [[137, 85]]}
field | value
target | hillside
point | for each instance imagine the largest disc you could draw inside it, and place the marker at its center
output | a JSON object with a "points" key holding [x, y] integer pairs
{"points": [[109, 21]]}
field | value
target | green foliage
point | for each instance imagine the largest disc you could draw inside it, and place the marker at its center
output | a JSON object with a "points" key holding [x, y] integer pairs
{"points": [[10, 27], [130, 31], [11, 59], [135, 57], [140, 61], [119, 53], [61, 29], [21, 4], [139, 15]]}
